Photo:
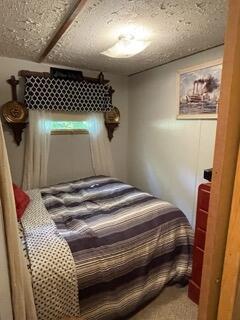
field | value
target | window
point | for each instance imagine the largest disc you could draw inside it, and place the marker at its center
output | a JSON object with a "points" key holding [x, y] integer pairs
{"points": [[68, 127]]}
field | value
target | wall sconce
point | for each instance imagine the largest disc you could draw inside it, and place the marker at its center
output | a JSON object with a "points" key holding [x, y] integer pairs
{"points": [[15, 113], [112, 121]]}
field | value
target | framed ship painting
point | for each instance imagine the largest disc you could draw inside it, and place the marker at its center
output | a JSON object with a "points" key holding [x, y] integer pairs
{"points": [[198, 91]]}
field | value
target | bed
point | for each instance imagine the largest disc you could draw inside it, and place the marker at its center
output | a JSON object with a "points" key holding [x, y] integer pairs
{"points": [[104, 245]]}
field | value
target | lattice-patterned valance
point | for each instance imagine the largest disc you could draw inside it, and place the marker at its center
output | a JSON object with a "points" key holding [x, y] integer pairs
{"points": [[66, 95]]}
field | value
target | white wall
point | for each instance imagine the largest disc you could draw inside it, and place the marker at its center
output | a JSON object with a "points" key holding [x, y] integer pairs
{"points": [[167, 156], [10, 67]]}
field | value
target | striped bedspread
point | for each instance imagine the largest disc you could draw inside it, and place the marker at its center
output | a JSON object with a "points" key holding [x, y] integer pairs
{"points": [[126, 244]]}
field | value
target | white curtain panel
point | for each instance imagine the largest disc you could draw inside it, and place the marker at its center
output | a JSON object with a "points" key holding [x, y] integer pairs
{"points": [[20, 280], [100, 145], [37, 150]]}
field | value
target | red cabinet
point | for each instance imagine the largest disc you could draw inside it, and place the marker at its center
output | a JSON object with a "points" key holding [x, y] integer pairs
{"points": [[199, 241]]}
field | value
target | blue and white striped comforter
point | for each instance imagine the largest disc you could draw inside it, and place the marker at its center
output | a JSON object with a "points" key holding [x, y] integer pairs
{"points": [[126, 244]]}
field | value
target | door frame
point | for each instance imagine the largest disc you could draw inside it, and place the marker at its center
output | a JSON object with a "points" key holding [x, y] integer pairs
{"points": [[229, 304], [224, 169]]}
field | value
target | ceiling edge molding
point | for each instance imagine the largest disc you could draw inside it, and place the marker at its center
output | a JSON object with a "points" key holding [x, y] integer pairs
{"points": [[186, 56]]}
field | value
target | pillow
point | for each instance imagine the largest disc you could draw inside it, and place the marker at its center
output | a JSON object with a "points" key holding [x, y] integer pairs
{"points": [[21, 200]]}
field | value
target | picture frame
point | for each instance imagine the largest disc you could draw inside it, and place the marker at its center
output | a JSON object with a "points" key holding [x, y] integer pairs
{"points": [[198, 91]]}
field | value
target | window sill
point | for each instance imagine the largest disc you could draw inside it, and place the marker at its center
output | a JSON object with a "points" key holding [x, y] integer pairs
{"points": [[68, 132]]}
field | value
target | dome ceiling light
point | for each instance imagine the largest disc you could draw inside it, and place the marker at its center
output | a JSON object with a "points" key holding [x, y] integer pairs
{"points": [[127, 46]]}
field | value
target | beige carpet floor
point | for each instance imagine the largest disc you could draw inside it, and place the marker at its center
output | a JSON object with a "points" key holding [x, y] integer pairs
{"points": [[172, 304]]}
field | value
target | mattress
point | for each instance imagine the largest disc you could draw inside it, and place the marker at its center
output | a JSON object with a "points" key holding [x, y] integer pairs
{"points": [[126, 244]]}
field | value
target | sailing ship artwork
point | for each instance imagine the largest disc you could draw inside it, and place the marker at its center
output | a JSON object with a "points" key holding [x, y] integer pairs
{"points": [[199, 91]]}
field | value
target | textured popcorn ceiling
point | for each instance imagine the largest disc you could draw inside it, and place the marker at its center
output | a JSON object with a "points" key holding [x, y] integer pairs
{"points": [[26, 26], [176, 28]]}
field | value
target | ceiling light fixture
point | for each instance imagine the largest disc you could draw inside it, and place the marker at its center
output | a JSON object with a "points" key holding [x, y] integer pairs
{"points": [[126, 47]]}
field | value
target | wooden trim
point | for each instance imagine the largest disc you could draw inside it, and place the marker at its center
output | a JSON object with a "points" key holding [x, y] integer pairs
{"points": [[26, 73], [63, 28], [225, 160], [68, 132], [236, 309], [72, 318], [228, 305]]}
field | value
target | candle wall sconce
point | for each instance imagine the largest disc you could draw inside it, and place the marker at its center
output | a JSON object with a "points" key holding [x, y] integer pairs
{"points": [[15, 113]]}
